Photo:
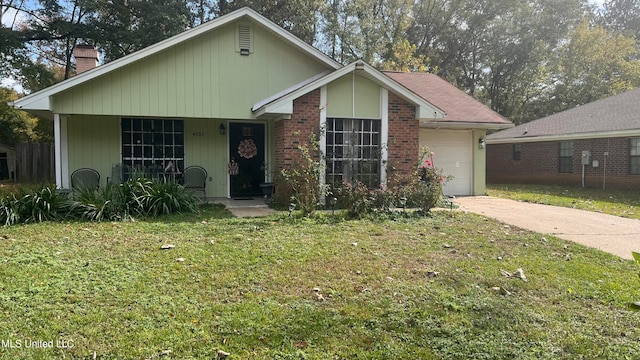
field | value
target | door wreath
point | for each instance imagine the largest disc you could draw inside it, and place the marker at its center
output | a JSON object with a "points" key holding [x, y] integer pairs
{"points": [[247, 149]]}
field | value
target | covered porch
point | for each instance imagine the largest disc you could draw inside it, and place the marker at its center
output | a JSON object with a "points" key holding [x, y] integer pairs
{"points": [[167, 146]]}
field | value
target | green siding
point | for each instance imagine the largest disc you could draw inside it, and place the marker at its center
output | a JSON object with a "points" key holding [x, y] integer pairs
{"points": [[93, 142], [200, 78], [479, 164], [344, 92], [204, 146]]}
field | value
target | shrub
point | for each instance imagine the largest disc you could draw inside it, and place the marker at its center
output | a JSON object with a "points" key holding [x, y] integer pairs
{"points": [[108, 203], [162, 198], [359, 199], [136, 197], [635, 306], [303, 177], [37, 205], [8, 212], [422, 190]]}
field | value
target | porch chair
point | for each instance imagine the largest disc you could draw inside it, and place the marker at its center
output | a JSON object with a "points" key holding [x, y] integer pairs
{"points": [[85, 178], [195, 179], [120, 173]]}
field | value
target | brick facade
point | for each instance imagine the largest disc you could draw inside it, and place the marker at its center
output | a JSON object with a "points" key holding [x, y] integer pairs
{"points": [[403, 144], [304, 120], [538, 164]]}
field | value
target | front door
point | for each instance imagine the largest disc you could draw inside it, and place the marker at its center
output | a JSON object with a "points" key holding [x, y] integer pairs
{"points": [[246, 156]]}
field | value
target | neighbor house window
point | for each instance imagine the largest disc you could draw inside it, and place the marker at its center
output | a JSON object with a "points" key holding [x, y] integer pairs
{"points": [[153, 144], [353, 151], [634, 156], [517, 148], [565, 162]]}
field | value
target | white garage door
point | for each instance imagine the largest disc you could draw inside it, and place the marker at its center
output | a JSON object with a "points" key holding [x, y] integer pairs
{"points": [[453, 155]]}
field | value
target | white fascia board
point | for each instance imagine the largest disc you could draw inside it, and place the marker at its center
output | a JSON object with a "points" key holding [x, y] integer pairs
{"points": [[429, 112], [463, 125], [35, 103], [36, 98], [284, 107], [568, 137]]}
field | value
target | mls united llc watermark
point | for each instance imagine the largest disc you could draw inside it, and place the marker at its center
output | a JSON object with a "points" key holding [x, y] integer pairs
{"points": [[36, 344]]}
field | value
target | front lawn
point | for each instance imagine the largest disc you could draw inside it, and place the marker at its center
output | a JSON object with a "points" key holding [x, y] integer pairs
{"points": [[323, 288], [613, 202]]}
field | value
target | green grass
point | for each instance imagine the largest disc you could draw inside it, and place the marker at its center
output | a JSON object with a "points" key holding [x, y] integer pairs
{"points": [[247, 286], [613, 202]]}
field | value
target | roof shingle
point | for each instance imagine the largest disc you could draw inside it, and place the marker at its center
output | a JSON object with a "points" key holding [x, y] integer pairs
{"points": [[459, 106], [613, 114]]}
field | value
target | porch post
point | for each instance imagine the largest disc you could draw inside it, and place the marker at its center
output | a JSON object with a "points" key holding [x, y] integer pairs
{"points": [[61, 151]]}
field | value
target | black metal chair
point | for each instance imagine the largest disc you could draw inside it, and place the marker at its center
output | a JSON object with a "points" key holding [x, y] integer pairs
{"points": [[120, 173], [195, 179], [85, 178]]}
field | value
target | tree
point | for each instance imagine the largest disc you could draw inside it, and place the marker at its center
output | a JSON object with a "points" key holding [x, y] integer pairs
{"points": [[364, 29], [404, 58], [594, 64], [623, 15], [121, 27], [15, 126]]}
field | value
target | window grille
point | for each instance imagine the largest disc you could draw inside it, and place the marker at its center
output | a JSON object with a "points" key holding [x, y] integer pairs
{"points": [[353, 151]]}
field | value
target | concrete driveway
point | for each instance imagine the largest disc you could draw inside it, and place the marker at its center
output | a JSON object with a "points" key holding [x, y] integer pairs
{"points": [[615, 235]]}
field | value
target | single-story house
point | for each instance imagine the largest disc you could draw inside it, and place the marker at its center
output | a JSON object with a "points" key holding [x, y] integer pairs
{"points": [[592, 145], [232, 94]]}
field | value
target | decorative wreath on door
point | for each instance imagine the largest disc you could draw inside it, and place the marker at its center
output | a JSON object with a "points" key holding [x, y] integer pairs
{"points": [[234, 169], [247, 149]]}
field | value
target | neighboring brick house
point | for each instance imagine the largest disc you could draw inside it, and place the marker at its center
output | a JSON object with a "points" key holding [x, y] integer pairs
{"points": [[596, 145], [237, 94]]}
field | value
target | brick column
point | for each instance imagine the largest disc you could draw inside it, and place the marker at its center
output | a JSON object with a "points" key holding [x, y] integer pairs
{"points": [[304, 120], [403, 143]]}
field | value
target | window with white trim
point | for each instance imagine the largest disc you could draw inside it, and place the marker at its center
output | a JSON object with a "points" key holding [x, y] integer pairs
{"points": [[353, 151], [153, 144], [634, 156]]}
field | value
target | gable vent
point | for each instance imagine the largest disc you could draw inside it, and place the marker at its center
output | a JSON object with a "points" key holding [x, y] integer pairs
{"points": [[244, 39]]}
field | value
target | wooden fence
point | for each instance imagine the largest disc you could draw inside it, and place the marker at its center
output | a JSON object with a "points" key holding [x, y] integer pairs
{"points": [[35, 163]]}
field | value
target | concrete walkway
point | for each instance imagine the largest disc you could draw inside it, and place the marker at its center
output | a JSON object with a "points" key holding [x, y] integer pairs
{"points": [[246, 208], [613, 234]]}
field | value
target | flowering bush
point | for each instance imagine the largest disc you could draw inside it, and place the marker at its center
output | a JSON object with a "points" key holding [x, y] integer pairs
{"points": [[425, 190], [302, 180], [361, 200], [422, 190]]}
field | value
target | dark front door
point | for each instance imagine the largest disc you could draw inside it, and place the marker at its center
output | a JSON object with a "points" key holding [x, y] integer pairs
{"points": [[246, 150]]}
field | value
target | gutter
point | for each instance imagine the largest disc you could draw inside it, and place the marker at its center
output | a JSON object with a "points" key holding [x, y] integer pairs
{"points": [[464, 125], [581, 136]]}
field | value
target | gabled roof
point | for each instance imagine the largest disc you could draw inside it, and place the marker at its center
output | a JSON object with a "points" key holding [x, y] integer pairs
{"points": [[41, 100], [617, 115], [462, 110], [282, 103]]}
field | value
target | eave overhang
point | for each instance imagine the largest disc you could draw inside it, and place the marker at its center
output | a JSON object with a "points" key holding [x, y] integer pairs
{"points": [[567, 137]]}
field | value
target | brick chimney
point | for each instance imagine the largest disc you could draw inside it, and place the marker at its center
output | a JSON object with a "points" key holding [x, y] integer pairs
{"points": [[86, 57]]}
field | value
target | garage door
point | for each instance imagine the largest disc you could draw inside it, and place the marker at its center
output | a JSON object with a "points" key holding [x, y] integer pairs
{"points": [[453, 155]]}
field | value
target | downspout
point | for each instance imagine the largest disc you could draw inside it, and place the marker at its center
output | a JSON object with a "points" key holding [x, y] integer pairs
{"points": [[604, 170]]}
